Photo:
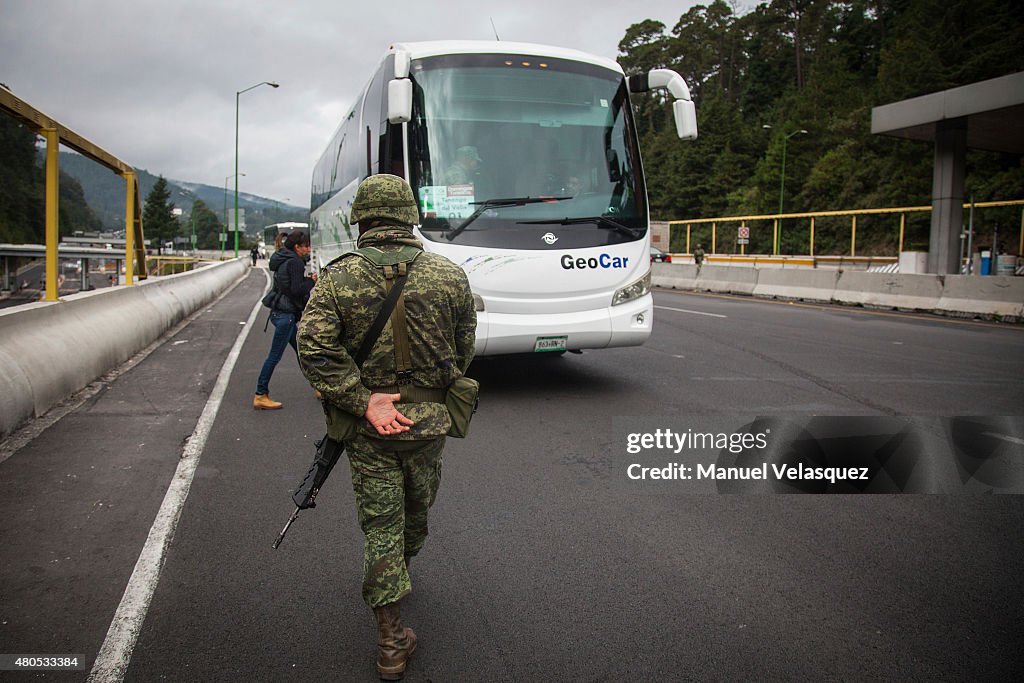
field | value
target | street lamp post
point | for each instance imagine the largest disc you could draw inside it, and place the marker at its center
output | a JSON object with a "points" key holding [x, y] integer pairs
{"points": [[226, 179], [237, 95], [782, 176]]}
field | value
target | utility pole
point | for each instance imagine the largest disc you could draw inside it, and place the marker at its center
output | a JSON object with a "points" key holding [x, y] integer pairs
{"points": [[782, 181]]}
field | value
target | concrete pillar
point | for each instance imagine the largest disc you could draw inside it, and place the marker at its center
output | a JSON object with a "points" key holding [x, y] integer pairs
{"points": [[947, 196]]}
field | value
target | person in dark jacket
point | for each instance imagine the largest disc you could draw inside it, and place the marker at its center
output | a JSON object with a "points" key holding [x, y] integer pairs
{"points": [[292, 286]]}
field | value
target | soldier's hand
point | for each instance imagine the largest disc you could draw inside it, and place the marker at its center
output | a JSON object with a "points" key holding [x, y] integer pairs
{"points": [[385, 418]]}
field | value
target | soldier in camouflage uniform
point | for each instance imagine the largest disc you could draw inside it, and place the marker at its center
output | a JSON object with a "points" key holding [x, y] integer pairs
{"points": [[395, 457]]}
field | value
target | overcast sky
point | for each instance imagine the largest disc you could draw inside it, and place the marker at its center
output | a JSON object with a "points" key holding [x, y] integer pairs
{"points": [[153, 82]]}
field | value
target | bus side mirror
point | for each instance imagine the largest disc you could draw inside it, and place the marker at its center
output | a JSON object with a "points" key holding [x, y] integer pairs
{"points": [[683, 111], [685, 115], [399, 100]]}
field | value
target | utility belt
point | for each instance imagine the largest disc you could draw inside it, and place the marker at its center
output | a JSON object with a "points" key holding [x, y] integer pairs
{"points": [[414, 394]]}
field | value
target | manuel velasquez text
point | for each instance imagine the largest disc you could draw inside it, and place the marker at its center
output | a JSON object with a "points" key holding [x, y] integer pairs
{"points": [[763, 471]]}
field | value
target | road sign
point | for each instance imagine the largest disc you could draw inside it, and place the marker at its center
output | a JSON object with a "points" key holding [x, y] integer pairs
{"points": [[743, 232], [743, 240], [231, 220]]}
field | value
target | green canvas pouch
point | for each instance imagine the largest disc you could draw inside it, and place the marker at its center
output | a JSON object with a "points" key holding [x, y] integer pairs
{"points": [[462, 400], [341, 424]]}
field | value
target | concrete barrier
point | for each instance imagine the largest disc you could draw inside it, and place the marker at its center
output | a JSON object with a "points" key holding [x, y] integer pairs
{"points": [[952, 294], [990, 295], [806, 285], [727, 280], [49, 350], [674, 276], [888, 290]]}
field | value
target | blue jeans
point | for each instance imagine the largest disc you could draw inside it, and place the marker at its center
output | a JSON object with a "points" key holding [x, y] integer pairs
{"points": [[285, 327]]}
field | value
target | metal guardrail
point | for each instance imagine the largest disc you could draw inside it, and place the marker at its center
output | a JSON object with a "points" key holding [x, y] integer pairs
{"points": [[82, 262], [764, 260], [777, 219], [56, 133], [169, 265]]}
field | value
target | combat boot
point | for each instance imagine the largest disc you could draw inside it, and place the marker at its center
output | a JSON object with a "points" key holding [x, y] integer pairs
{"points": [[395, 643], [264, 402]]}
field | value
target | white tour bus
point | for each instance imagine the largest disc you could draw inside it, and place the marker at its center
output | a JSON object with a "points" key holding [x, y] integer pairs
{"points": [[525, 162]]}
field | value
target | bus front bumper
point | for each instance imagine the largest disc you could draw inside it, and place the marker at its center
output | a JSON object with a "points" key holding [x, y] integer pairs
{"points": [[627, 324]]}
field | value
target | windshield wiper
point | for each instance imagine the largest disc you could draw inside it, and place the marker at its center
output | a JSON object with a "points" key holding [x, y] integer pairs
{"points": [[600, 221], [494, 203]]}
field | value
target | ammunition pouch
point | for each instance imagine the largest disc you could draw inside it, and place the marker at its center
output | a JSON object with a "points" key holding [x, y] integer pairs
{"points": [[341, 424], [462, 400]]}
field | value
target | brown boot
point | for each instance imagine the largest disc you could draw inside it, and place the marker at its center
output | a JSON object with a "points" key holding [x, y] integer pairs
{"points": [[264, 402], [395, 643]]}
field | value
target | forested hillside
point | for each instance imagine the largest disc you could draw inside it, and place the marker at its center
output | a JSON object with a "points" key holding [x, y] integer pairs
{"points": [[22, 191], [819, 66], [92, 197], [105, 190], [799, 76]]}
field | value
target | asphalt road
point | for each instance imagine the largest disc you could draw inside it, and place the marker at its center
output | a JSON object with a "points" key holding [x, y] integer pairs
{"points": [[538, 566]]}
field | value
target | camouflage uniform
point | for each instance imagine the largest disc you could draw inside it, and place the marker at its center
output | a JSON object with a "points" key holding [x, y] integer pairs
{"points": [[395, 478], [458, 175]]}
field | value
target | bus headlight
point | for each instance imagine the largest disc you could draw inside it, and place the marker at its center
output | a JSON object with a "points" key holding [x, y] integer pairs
{"points": [[633, 291], [478, 302]]}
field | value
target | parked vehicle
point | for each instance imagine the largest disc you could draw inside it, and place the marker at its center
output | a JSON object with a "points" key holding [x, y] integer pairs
{"points": [[658, 256]]}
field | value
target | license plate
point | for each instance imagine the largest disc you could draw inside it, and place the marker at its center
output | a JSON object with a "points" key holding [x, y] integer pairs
{"points": [[550, 344]]}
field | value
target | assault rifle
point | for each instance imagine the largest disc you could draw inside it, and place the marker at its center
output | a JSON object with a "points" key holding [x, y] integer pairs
{"points": [[327, 453]]}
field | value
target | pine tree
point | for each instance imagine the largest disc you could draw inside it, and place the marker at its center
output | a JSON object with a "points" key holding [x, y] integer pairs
{"points": [[208, 226], [157, 218]]}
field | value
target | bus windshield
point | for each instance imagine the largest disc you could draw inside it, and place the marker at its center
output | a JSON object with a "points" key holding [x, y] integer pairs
{"points": [[505, 150]]}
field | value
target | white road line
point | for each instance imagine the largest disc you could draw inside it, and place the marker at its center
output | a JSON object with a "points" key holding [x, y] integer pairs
{"points": [[1004, 437], [115, 654], [685, 310]]}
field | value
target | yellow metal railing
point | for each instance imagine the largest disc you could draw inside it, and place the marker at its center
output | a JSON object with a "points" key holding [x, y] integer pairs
{"points": [[169, 265], [56, 133], [777, 219]]}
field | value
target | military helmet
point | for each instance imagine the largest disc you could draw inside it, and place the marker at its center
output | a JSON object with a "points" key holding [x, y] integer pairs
{"points": [[385, 196]]}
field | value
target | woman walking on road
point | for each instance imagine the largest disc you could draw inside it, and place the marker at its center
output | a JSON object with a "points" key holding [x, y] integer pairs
{"points": [[291, 288]]}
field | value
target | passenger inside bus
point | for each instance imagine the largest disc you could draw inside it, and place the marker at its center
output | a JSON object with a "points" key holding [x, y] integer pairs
{"points": [[466, 169], [547, 172]]}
